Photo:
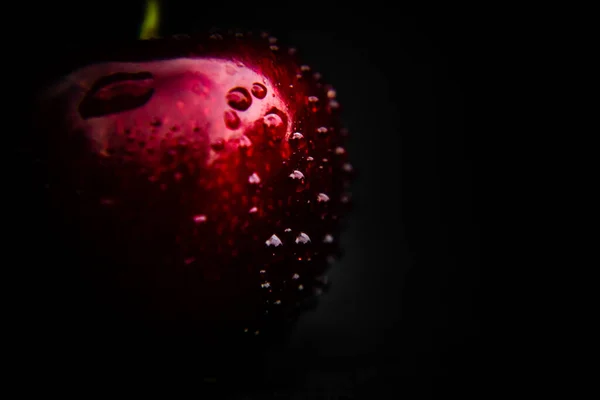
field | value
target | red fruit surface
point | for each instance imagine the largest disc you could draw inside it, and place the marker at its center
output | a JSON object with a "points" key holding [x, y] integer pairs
{"points": [[200, 180]]}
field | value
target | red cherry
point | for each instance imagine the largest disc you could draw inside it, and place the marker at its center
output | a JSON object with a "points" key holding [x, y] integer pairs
{"points": [[204, 180]]}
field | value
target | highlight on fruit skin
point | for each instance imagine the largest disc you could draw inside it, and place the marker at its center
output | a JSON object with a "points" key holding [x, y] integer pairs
{"points": [[205, 179]]}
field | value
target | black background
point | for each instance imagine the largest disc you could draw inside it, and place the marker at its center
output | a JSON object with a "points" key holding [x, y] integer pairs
{"points": [[404, 310]]}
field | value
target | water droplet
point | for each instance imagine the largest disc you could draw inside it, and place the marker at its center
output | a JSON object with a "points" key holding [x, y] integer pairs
{"points": [[300, 287], [254, 179], [292, 51], [265, 285], [313, 99], [317, 76], [274, 241], [304, 68], [277, 302], [339, 150], [287, 230], [244, 142], [322, 197], [296, 175], [297, 136], [274, 125], [232, 121], [274, 47], [345, 199], [322, 130], [309, 158], [239, 99], [245, 329], [328, 239], [272, 40], [331, 94], [156, 122], [259, 90], [262, 271], [302, 238], [253, 210], [230, 69], [295, 276], [218, 145], [216, 36], [256, 333], [200, 218], [347, 167], [297, 140], [333, 104]]}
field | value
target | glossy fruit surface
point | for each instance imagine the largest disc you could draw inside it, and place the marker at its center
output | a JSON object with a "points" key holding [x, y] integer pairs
{"points": [[200, 182]]}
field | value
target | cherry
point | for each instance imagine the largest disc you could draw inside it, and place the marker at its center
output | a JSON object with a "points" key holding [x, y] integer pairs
{"points": [[201, 182]]}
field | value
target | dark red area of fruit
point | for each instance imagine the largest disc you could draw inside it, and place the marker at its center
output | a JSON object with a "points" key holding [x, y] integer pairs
{"points": [[200, 198]]}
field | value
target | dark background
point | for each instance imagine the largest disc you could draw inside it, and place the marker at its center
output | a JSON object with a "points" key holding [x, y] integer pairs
{"points": [[404, 310]]}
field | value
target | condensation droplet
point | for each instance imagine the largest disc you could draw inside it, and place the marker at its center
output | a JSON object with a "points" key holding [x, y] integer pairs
{"points": [[254, 179], [313, 99], [262, 271], [272, 40], [302, 238], [328, 239], [295, 276], [296, 175], [322, 197], [253, 210], [265, 285], [297, 136], [200, 218], [239, 99], [156, 122], [218, 145], [340, 150], [287, 230], [274, 241], [304, 68], [322, 130], [347, 167], [258, 90], [292, 51], [230, 70], [274, 125], [317, 76], [256, 333], [244, 142], [300, 287], [232, 121], [273, 47], [277, 302], [309, 158], [334, 104], [331, 94]]}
